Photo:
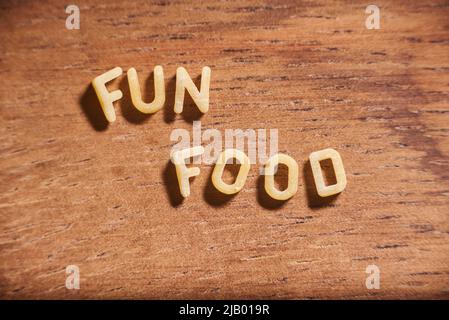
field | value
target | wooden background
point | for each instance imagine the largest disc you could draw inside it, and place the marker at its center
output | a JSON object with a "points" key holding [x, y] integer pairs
{"points": [[75, 190]]}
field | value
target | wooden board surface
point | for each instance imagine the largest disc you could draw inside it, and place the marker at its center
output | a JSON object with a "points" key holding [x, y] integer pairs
{"points": [[76, 191]]}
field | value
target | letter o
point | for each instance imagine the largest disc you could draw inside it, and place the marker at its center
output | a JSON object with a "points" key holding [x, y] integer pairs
{"points": [[292, 187], [241, 176]]}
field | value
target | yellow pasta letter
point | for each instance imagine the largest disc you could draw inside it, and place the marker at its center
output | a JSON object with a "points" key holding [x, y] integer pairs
{"points": [[337, 163], [241, 176], [105, 97], [159, 91], [270, 168], [184, 82], [184, 173]]}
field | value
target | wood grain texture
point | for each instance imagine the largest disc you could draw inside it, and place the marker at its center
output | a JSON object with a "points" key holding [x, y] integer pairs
{"points": [[75, 190]]}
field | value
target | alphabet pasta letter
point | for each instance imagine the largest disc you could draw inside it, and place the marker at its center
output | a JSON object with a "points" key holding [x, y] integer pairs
{"points": [[159, 91], [322, 189], [184, 82], [292, 187], [241, 176], [184, 173], [105, 97]]}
